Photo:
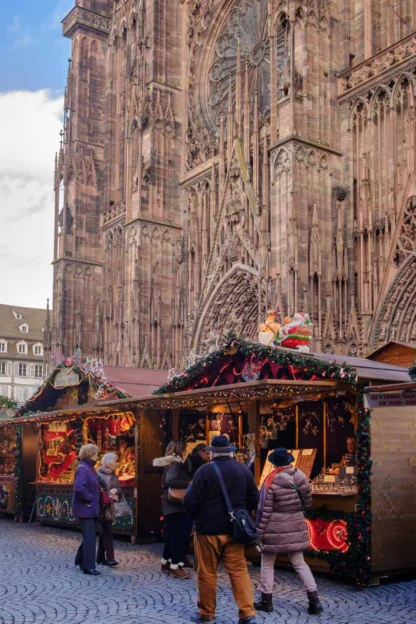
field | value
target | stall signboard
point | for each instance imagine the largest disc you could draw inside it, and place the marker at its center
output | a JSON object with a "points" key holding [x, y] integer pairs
{"points": [[66, 379], [389, 399]]}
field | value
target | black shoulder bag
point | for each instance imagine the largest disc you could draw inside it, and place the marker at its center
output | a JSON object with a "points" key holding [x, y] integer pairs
{"points": [[243, 528]]}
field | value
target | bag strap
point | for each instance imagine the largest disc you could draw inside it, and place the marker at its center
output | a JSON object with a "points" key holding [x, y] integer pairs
{"points": [[295, 487], [224, 491]]}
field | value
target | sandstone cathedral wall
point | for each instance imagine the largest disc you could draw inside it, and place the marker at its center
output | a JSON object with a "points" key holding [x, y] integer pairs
{"points": [[222, 157]]}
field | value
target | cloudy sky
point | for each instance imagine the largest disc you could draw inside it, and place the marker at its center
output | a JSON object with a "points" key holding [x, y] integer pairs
{"points": [[32, 79]]}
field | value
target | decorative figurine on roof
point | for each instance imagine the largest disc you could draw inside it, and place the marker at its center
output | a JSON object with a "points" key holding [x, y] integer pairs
{"points": [[296, 333], [268, 331]]}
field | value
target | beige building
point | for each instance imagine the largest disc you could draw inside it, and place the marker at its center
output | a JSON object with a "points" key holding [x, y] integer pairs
{"points": [[221, 157], [22, 358]]}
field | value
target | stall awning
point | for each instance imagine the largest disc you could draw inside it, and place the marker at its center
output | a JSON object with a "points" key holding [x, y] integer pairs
{"points": [[267, 389]]}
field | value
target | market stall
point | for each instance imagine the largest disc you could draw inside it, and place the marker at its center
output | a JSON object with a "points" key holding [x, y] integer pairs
{"points": [[64, 414], [312, 404]]}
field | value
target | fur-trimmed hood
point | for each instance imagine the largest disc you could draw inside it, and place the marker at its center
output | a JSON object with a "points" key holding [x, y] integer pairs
{"points": [[162, 462]]}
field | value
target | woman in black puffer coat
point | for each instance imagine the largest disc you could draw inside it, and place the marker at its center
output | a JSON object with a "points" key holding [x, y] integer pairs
{"points": [[178, 525]]}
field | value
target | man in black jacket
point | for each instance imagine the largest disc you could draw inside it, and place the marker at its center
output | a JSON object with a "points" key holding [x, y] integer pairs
{"points": [[205, 503]]}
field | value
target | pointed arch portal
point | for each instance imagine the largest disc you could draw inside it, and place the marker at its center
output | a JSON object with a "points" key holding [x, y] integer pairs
{"points": [[233, 305], [397, 317]]}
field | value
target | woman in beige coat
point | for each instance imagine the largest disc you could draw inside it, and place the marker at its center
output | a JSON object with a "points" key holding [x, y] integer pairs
{"points": [[285, 494]]}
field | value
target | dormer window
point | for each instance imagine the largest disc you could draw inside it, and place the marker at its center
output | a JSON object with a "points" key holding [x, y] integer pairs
{"points": [[38, 349], [3, 346], [21, 347], [24, 328], [17, 315]]}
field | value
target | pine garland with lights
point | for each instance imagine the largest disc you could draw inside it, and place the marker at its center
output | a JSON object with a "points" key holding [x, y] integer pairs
{"points": [[18, 475], [235, 347], [6, 403]]}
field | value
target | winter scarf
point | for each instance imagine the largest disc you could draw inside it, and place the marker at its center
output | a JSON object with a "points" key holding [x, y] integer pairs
{"points": [[263, 492], [162, 462]]}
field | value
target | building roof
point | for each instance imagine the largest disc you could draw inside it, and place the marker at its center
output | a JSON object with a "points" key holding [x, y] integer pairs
{"points": [[367, 369], [137, 382], [9, 325], [391, 343]]}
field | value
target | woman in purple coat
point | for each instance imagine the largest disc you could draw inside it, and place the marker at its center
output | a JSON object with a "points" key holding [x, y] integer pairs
{"points": [[86, 507]]}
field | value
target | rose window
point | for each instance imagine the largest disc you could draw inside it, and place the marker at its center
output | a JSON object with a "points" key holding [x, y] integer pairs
{"points": [[247, 22]]}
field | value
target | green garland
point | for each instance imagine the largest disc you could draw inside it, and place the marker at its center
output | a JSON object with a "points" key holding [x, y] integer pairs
{"points": [[18, 475], [6, 403], [412, 372], [310, 365]]}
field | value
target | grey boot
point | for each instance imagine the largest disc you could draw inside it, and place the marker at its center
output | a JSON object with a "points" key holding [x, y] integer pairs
{"points": [[315, 606], [265, 603]]}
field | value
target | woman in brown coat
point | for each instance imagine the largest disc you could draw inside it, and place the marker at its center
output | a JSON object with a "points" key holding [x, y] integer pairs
{"points": [[285, 494]]}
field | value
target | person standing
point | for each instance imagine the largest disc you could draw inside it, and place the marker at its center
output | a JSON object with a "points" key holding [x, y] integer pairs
{"points": [[178, 526], [86, 507], [196, 459], [109, 481], [204, 502], [281, 527]]}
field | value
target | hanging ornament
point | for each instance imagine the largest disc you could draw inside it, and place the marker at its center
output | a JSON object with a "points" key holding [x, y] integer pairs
{"points": [[57, 357], [212, 342], [172, 374]]}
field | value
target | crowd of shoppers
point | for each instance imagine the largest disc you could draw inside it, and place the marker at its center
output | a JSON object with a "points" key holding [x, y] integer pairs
{"points": [[211, 494]]}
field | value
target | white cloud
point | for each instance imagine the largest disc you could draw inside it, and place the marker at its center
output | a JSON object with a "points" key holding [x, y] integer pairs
{"points": [[62, 8], [29, 126], [23, 39]]}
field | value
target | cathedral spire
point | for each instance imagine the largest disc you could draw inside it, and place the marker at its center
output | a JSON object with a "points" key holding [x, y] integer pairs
{"points": [[246, 118], [230, 123], [238, 89], [221, 154]]}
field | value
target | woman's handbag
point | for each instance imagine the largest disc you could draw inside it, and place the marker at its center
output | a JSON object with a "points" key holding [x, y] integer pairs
{"points": [[105, 498], [176, 495], [243, 528], [122, 509]]}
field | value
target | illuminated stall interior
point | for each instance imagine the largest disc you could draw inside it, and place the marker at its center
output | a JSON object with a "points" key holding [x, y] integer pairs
{"points": [[66, 413]]}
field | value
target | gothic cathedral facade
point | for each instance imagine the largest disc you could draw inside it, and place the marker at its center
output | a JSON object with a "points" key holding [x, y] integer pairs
{"points": [[223, 157]]}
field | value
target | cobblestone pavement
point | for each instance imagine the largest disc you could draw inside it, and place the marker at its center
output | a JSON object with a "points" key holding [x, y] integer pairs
{"points": [[39, 584]]}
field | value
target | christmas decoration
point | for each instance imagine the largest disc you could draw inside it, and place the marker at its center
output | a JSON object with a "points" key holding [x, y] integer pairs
{"points": [[213, 342], [268, 331], [296, 333], [229, 361]]}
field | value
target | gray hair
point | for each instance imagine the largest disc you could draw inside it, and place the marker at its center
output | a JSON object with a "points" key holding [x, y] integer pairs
{"points": [[108, 458], [214, 454]]}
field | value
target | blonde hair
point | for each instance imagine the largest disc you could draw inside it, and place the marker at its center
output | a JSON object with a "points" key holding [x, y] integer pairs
{"points": [[87, 451], [108, 458], [176, 447]]}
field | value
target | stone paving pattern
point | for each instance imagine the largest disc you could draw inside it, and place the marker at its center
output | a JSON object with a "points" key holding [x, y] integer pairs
{"points": [[40, 585]]}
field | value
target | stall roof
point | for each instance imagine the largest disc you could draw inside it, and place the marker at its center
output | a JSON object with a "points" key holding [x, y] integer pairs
{"points": [[266, 389], [137, 382], [367, 369], [398, 387], [66, 414]]}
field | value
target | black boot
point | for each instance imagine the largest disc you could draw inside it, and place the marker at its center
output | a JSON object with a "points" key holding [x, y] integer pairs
{"points": [[315, 606], [265, 603]]}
